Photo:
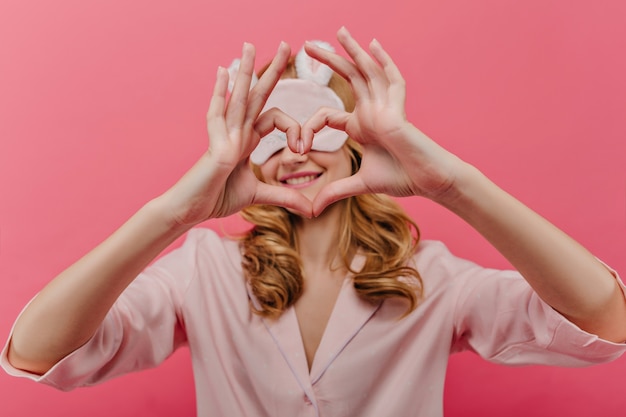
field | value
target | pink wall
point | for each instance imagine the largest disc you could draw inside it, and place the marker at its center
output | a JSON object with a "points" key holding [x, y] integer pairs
{"points": [[102, 107]]}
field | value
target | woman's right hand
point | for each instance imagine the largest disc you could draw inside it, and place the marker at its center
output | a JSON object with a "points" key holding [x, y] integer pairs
{"points": [[222, 182], [68, 311]]}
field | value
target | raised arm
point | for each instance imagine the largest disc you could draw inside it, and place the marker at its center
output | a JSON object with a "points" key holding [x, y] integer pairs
{"points": [[67, 312], [400, 160]]}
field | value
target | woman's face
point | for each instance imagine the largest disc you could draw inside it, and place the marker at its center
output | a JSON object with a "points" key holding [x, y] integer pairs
{"points": [[306, 173]]}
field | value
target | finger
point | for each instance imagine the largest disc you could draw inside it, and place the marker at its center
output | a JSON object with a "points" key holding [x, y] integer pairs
{"points": [[218, 99], [215, 113], [340, 65], [396, 80], [386, 62], [338, 190], [262, 90], [370, 69], [325, 116], [275, 118], [238, 103], [283, 197]]}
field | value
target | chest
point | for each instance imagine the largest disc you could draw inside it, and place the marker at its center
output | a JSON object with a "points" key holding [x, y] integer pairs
{"points": [[313, 311], [354, 351]]}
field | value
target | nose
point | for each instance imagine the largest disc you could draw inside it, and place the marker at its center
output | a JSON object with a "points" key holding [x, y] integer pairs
{"points": [[288, 157]]}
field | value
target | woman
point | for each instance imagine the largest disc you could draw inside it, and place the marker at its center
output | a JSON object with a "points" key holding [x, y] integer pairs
{"points": [[326, 307]]}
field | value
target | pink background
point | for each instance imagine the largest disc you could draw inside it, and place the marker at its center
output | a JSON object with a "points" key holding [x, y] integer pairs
{"points": [[102, 107]]}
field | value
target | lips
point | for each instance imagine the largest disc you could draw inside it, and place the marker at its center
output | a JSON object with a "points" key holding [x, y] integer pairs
{"points": [[300, 179]]}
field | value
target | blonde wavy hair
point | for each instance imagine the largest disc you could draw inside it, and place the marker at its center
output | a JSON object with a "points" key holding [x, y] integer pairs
{"points": [[372, 225]]}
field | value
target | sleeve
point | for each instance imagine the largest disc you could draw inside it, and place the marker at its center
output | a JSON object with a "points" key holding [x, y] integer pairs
{"points": [[141, 330], [500, 317]]}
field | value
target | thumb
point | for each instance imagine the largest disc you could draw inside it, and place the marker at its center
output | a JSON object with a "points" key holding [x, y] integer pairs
{"points": [[337, 190], [283, 197]]}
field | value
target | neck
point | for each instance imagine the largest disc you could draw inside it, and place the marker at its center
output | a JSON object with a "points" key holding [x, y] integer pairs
{"points": [[318, 238]]}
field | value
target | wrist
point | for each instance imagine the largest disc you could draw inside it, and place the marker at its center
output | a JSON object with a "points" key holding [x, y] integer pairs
{"points": [[162, 213], [437, 173], [463, 189]]}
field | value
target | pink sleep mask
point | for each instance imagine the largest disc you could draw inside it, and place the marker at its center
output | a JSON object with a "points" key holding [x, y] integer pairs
{"points": [[300, 99]]}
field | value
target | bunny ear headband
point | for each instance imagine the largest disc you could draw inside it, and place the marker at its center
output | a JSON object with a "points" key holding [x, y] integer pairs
{"points": [[300, 98]]}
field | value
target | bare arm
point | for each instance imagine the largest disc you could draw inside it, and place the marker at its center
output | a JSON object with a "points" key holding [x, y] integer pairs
{"points": [[560, 270], [68, 311], [400, 160]]}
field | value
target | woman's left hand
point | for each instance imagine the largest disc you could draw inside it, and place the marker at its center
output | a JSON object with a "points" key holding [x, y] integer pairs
{"points": [[398, 159]]}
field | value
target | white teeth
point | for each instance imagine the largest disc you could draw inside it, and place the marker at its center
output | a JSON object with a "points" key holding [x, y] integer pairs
{"points": [[300, 180]]}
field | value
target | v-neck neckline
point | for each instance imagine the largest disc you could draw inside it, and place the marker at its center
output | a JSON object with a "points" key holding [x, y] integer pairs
{"points": [[349, 314]]}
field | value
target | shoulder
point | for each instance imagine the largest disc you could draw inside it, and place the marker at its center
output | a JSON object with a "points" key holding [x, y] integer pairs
{"points": [[207, 239], [440, 269], [435, 257], [203, 252], [215, 257], [206, 243]]}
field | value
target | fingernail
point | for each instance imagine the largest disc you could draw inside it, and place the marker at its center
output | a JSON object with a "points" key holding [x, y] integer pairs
{"points": [[300, 146]]}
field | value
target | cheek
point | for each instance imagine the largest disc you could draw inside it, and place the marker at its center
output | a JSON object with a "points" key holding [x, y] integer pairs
{"points": [[267, 171], [344, 165]]}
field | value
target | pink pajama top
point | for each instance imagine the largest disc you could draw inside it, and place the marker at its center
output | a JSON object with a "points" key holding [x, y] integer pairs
{"points": [[369, 362]]}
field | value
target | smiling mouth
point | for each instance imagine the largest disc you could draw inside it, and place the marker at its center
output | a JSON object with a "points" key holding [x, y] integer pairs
{"points": [[300, 180]]}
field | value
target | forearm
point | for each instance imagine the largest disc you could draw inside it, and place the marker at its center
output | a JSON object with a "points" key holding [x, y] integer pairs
{"points": [[67, 312], [561, 271]]}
